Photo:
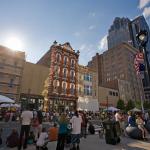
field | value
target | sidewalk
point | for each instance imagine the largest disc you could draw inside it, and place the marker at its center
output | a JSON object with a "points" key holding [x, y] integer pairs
{"points": [[93, 142]]}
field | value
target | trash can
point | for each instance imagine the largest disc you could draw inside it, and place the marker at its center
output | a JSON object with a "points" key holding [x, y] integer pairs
{"points": [[112, 132]]}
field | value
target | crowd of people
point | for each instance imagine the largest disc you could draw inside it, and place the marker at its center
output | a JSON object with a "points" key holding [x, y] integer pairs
{"points": [[68, 127]]}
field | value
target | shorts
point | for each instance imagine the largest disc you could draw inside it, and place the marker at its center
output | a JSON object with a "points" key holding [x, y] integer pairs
{"points": [[75, 138]]}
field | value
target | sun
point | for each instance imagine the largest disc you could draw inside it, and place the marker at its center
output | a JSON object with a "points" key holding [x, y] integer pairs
{"points": [[14, 43]]}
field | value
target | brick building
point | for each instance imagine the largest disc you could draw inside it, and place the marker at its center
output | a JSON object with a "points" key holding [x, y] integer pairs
{"points": [[62, 61]]}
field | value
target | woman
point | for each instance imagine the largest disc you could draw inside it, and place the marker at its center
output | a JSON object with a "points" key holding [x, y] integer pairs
{"points": [[62, 133], [140, 124]]}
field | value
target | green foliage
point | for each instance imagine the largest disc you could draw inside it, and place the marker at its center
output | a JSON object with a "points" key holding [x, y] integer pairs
{"points": [[146, 105], [138, 104], [130, 105], [120, 104]]}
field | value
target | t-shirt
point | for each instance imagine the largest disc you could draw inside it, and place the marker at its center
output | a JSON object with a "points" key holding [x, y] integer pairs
{"points": [[53, 134], [117, 117], [76, 124], [42, 139], [26, 117]]}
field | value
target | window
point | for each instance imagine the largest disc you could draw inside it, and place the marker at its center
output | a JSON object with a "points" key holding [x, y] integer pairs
{"points": [[56, 85], [15, 63], [58, 58], [114, 94], [72, 89], [110, 92], [11, 83], [87, 77], [72, 63], [64, 87], [56, 70], [72, 75], [87, 90], [65, 60], [65, 73]]}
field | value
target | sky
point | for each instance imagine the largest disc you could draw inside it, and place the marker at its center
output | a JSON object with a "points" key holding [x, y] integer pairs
{"points": [[82, 23]]}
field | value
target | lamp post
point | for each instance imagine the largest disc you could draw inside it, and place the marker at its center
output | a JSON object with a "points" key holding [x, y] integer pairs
{"points": [[142, 38]]}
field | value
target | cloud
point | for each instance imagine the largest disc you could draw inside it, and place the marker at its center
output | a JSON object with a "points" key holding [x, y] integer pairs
{"points": [[102, 46], [92, 14], [77, 34], [91, 27], [146, 12], [86, 52], [143, 3]]}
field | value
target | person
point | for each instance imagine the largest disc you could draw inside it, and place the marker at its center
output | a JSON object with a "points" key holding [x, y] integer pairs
{"points": [[53, 133], [62, 133], [76, 121], [42, 140], [91, 128], [84, 125], [131, 119], [140, 124], [12, 139], [26, 119]]}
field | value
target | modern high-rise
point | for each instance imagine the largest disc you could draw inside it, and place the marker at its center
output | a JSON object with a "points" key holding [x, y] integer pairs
{"points": [[125, 30]]}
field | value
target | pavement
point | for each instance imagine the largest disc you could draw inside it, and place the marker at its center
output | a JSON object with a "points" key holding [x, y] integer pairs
{"points": [[92, 142]]}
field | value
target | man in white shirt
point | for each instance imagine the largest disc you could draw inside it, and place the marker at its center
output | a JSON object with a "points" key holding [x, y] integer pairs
{"points": [[26, 119], [76, 121]]}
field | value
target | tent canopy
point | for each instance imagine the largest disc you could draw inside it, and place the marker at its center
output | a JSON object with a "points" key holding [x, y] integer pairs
{"points": [[6, 105], [112, 109], [4, 99], [135, 110]]}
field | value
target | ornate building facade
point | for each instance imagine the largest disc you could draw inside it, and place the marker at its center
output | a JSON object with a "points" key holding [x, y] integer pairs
{"points": [[63, 76]]}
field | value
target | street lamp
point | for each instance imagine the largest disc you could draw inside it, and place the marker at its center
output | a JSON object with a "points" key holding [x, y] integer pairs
{"points": [[142, 38]]}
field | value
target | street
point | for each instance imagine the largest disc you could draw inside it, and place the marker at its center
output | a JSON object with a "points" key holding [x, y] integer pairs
{"points": [[91, 142]]}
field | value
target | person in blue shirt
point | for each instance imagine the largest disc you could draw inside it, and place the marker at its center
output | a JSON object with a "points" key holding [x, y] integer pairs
{"points": [[131, 120], [62, 133]]}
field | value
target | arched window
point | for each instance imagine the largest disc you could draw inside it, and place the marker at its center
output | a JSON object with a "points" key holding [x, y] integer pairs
{"points": [[72, 89], [65, 60], [65, 73], [64, 85], [57, 70], [56, 85], [72, 62], [58, 58], [72, 74]]}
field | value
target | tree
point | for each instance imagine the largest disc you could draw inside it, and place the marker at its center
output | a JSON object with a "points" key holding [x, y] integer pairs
{"points": [[146, 105], [120, 104], [138, 104], [130, 105]]}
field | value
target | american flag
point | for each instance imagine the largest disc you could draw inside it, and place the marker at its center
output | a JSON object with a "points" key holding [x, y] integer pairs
{"points": [[139, 63]]}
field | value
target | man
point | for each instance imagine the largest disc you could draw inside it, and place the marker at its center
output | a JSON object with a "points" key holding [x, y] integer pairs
{"points": [[26, 119], [76, 121]]}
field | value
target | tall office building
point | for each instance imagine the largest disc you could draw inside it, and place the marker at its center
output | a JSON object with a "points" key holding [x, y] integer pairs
{"points": [[125, 30]]}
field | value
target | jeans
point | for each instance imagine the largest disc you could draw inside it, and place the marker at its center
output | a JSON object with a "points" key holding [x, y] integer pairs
{"points": [[25, 129], [61, 141]]}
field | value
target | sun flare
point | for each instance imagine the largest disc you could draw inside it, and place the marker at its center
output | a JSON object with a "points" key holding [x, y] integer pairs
{"points": [[14, 43]]}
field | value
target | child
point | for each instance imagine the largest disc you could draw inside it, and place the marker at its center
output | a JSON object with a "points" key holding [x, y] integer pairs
{"points": [[42, 140]]}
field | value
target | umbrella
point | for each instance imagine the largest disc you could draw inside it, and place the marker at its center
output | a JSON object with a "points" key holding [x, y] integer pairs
{"points": [[9, 105], [135, 110], [4, 99]]}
